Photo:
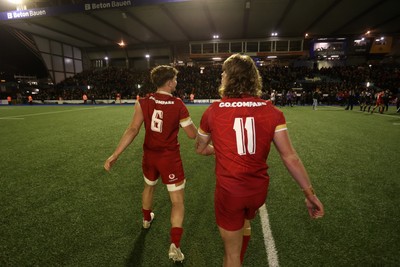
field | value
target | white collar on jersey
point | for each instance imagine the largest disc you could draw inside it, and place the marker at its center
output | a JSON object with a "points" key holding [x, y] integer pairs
{"points": [[163, 92]]}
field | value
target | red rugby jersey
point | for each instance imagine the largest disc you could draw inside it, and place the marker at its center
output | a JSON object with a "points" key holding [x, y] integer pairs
{"points": [[242, 130], [163, 114]]}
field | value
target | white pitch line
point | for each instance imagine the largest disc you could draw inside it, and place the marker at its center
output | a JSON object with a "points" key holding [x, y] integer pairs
{"points": [[269, 242], [45, 113]]}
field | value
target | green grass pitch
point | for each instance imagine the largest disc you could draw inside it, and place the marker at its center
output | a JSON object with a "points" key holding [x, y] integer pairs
{"points": [[58, 207]]}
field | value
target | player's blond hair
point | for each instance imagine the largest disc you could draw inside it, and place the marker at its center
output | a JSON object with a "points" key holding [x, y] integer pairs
{"points": [[242, 77]]}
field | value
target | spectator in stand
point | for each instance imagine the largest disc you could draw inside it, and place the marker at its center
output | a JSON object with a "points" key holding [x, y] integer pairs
{"points": [[339, 97], [93, 98], [331, 97], [283, 98], [350, 99], [84, 98], [118, 98], [9, 99], [290, 98], [303, 96], [273, 97], [336, 80], [30, 100]]}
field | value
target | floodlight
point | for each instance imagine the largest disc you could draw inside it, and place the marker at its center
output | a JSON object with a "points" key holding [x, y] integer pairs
{"points": [[16, 2], [121, 44]]}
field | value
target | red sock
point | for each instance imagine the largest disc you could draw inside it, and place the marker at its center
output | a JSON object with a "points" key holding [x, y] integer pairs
{"points": [[176, 235], [146, 215], [246, 239]]}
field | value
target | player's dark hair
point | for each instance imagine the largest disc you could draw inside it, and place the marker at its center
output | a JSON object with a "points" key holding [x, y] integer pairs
{"points": [[161, 74], [241, 77]]}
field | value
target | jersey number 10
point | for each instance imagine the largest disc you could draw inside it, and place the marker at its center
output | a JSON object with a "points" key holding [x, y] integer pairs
{"points": [[240, 135]]}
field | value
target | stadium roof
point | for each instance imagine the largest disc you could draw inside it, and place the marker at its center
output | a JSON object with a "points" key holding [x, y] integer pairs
{"points": [[142, 23]]}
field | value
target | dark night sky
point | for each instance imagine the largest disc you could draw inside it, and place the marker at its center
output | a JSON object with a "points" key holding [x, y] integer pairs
{"points": [[15, 58]]}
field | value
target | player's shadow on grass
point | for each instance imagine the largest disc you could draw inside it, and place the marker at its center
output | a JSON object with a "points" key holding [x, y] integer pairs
{"points": [[136, 257]]}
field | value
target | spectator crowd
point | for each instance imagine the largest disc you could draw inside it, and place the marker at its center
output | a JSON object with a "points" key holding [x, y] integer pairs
{"points": [[288, 85]]}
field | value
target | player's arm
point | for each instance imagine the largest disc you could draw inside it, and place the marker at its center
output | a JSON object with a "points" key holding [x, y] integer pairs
{"points": [[297, 170], [189, 128], [129, 135], [203, 146]]}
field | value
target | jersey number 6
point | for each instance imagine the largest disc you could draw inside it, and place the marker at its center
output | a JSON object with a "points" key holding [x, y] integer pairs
{"points": [[156, 121]]}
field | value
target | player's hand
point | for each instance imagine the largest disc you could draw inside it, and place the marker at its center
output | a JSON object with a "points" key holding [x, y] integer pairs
{"points": [[314, 207], [110, 162], [209, 150]]}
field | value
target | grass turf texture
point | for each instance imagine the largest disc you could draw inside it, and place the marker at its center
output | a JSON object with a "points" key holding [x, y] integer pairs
{"points": [[58, 207]]}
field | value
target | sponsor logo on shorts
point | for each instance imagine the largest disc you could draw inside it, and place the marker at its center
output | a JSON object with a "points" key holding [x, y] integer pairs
{"points": [[172, 177]]}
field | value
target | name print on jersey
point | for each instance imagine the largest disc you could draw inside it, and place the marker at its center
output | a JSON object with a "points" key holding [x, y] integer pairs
{"points": [[162, 102], [241, 104]]}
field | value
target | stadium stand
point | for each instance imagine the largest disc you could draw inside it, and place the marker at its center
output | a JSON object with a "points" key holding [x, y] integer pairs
{"points": [[107, 48]]}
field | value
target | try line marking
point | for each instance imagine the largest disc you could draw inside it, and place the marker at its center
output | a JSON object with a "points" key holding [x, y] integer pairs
{"points": [[269, 242], [21, 117]]}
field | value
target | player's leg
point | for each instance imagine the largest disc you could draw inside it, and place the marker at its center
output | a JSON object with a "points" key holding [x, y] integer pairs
{"points": [[171, 169], [176, 193], [147, 202], [147, 196], [253, 204], [230, 214], [232, 245], [373, 109], [246, 239], [150, 176], [177, 205], [177, 213]]}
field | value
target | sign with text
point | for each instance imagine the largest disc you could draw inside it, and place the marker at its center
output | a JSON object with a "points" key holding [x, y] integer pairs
{"points": [[88, 6]]}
